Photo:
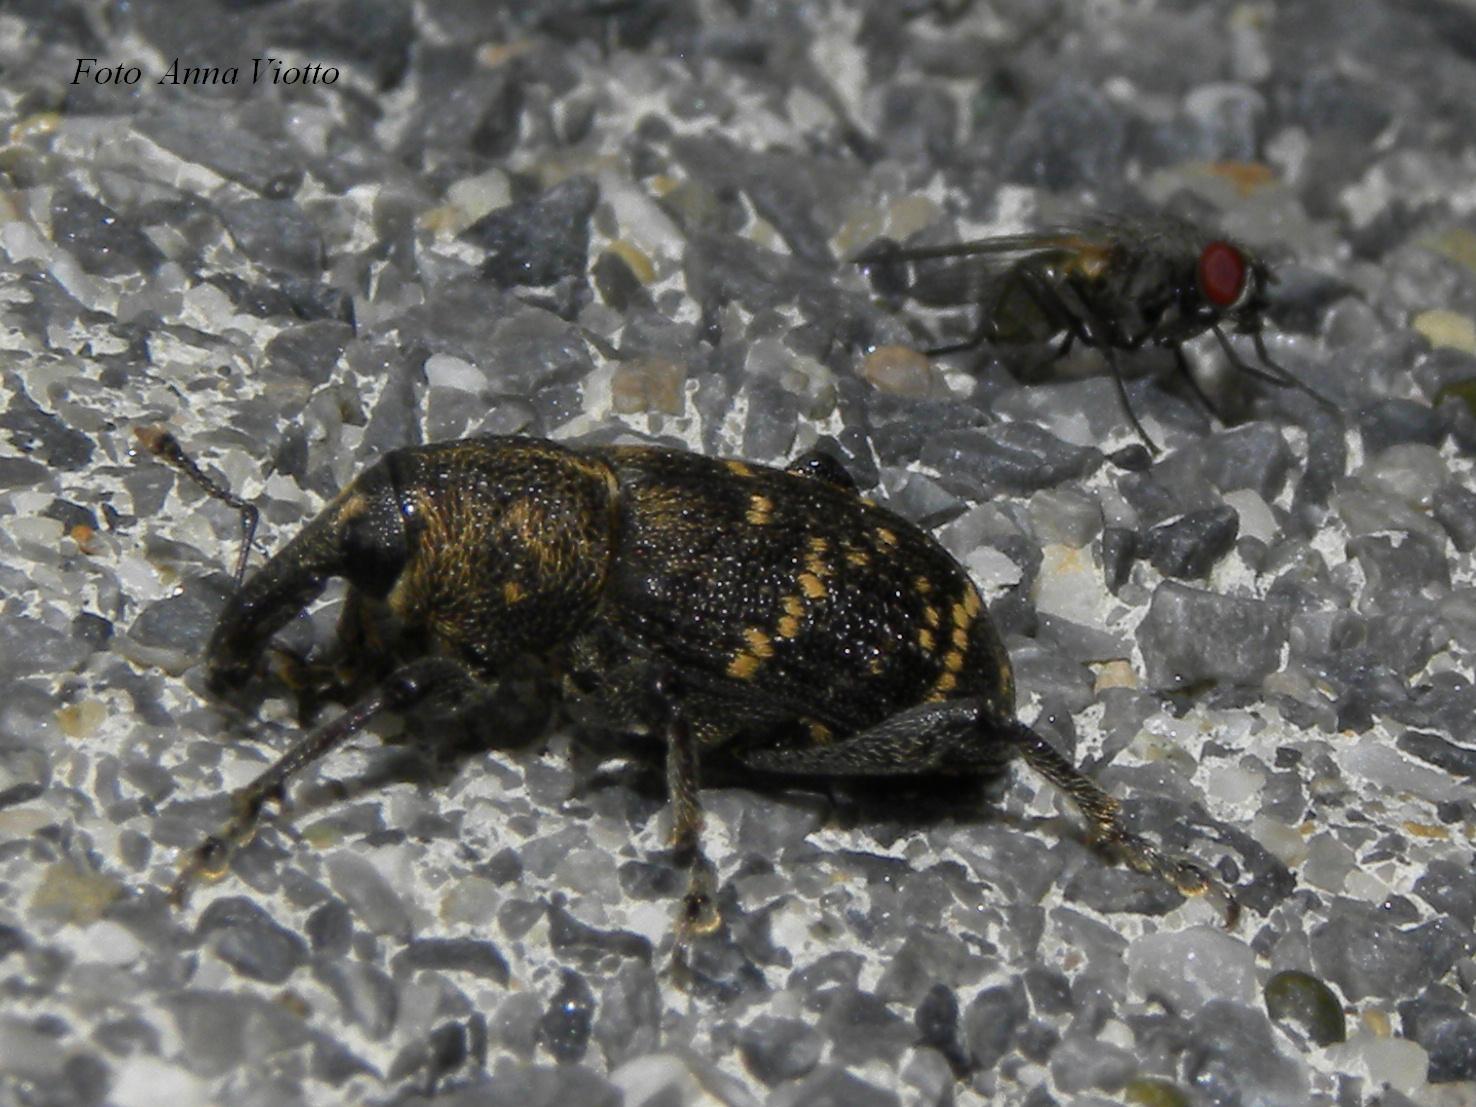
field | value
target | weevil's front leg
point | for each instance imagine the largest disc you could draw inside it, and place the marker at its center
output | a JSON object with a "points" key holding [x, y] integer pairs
{"points": [[413, 684]]}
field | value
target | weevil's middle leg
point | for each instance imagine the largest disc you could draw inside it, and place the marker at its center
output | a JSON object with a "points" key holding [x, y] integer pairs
{"points": [[699, 913], [406, 687]]}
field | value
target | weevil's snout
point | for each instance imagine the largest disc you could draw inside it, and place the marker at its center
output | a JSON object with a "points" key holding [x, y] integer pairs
{"points": [[361, 537]]}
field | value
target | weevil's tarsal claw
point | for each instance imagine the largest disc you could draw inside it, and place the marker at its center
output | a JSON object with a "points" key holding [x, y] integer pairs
{"points": [[209, 861]]}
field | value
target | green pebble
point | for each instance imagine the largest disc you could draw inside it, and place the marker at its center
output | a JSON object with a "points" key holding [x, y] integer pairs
{"points": [[1151, 1092], [1307, 1003]]}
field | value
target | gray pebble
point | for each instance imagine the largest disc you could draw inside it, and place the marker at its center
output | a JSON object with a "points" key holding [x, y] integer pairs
{"points": [[861, 1027], [1392, 422], [268, 165], [832, 1086], [1191, 636], [1080, 1063], [1015, 458], [370, 897], [537, 242], [102, 241], [779, 1049], [629, 1020], [44, 436], [245, 937], [367, 996], [1234, 1058], [1254, 456]]}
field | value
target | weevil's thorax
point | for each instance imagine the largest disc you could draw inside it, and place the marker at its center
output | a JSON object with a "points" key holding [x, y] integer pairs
{"points": [[794, 594], [510, 545]]}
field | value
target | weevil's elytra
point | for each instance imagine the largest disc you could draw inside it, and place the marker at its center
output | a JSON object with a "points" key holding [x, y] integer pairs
{"points": [[644, 577]]}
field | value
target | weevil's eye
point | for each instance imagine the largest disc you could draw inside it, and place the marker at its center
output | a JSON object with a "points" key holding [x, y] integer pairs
{"points": [[1222, 274]]}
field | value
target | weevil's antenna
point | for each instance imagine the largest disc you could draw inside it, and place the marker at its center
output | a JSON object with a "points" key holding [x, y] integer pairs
{"points": [[166, 447]]}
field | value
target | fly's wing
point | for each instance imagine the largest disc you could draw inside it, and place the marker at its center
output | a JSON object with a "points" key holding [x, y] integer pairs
{"points": [[964, 272]]}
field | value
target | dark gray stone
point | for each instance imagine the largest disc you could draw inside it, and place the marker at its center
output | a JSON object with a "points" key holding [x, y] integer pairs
{"points": [[568, 1020], [1015, 458], [1438, 751], [1365, 956], [1448, 1035], [537, 242], [1450, 888], [629, 1020], [275, 234], [1069, 137], [367, 996], [1189, 546], [990, 1022], [330, 928], [1392, 422], [831, 1086], [269, 165], [454, 955], [308, 351], [1454, 507], [862, 1028], [103, 242], [1119, 550], [1255, 457]]}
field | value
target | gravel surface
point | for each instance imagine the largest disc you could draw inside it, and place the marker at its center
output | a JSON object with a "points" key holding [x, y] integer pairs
{"points": [[603, 222]]}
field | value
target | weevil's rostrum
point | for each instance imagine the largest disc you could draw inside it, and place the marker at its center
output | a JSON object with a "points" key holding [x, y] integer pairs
{"points": [[772, 618]]}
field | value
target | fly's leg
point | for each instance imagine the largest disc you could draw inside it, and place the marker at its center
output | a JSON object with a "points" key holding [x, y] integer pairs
{"points": [[412, 685], [964, 736], [1182, 362], [1273, 374]]}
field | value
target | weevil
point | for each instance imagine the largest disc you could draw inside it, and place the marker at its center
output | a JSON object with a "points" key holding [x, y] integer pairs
{"points": [[1110, 282], [772, 620]]}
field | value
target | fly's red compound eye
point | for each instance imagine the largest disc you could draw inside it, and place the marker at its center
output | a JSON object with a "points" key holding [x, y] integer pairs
{"points": [[1222, 273]]}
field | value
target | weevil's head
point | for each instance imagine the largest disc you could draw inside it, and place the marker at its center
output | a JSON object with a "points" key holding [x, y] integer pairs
{"points": [[361, 536]]}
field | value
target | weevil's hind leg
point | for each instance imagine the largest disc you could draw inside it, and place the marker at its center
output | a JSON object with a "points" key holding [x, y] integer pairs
{"points": [[413, 684], [964, 736], [1104, 813]]}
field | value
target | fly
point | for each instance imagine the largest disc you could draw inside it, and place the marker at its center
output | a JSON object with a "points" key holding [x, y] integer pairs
{"points": [[1112, 283]]}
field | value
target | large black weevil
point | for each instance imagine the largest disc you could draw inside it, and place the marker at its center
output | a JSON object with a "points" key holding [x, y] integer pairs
{"points": [[770, 618]]}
